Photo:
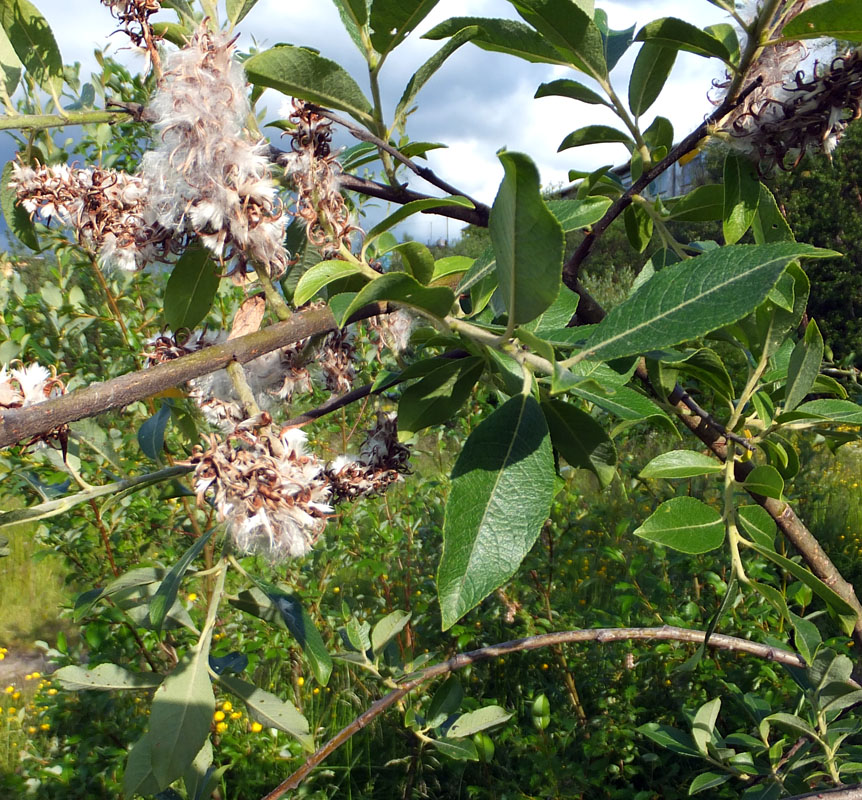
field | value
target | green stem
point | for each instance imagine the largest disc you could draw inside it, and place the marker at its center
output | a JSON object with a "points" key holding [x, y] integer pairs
{"points": [[273, 297], [246, 396], [40, 122]]}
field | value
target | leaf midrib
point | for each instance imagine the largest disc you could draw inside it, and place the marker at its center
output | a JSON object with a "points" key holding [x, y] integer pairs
{"points": [[629, 331]]}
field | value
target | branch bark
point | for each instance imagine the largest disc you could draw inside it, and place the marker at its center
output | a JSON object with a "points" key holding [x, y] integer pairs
{"points": [[23, 423], [599, 635]]}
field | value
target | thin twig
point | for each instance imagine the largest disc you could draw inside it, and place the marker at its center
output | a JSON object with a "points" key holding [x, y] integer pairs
{"points": [[364, 136], [346, 399], [571, 268], [680, 395], [600, 635]]}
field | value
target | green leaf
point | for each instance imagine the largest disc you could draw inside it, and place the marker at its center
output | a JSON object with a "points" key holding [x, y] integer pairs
{"points": [[191, 288], [756, 522], [418, 260], [301, 73], [475, 721], [237, 9], [269, 710], [684, 524], [804, 366], [271, 604], [614, 43], [623, 402], [459, 749], [401, 288], [595, 134], [393, 20], [793, 723], [671, 738], [726, 34], [321, 275], [703, 204], [445, 701], [806, 637], [437, 397], [576, 214], [570, 29], [845, 613], [692, 298], [527, 239], [166, 594], [201, 778], [708, 780], [413, 207], [681, 35], [558, 315], [704, 724], [181, 715], [450, 265], [502, 488], [681, 464], [837, 19], [841, 411], [151, 435], [564, 87], [354, 16], [766, 481], [649, 74], [769, 224], [387, 629], [11, 66], [138, 778], [581, 440], [105, 677], [741, 196], [639, 227], [427, 70], [16, 216], [502, 36], [31, 37]]}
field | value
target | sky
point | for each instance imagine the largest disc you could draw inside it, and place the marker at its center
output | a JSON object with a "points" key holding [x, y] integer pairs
{"points": [[477, 103]]}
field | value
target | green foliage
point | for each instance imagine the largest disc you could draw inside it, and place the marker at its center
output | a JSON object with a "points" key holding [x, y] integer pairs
{"points": [[547, 494]]}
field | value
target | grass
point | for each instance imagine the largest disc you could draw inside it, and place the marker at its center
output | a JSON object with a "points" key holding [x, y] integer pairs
{"points": [[31, 590]]}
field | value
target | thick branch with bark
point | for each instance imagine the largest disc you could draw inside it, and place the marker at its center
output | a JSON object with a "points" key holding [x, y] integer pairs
{"points": [[599, 635], [19, 424]]}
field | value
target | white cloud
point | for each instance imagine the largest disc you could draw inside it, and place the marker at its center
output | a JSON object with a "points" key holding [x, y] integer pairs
{"points": [[477, 103]]}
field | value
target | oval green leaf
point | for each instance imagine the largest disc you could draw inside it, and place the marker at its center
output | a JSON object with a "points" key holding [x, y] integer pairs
{"points": [[649, 74], [302, 73], [681, 464], [191, 288], [269, 710], [321, 275], [528, 241], [401, 288], [438, 396], [34, 43], [693, 298], [684, 524], [681, 35], [502, 488], [766, 481], [479, 720], [595, 134]]}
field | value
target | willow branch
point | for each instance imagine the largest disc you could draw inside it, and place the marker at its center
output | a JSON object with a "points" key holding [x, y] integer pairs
{"points": [[41, 122], [355, 395], [791, 527], [572, 267], [599, 635], [478, 216], [24, 423], [364, 136]]}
